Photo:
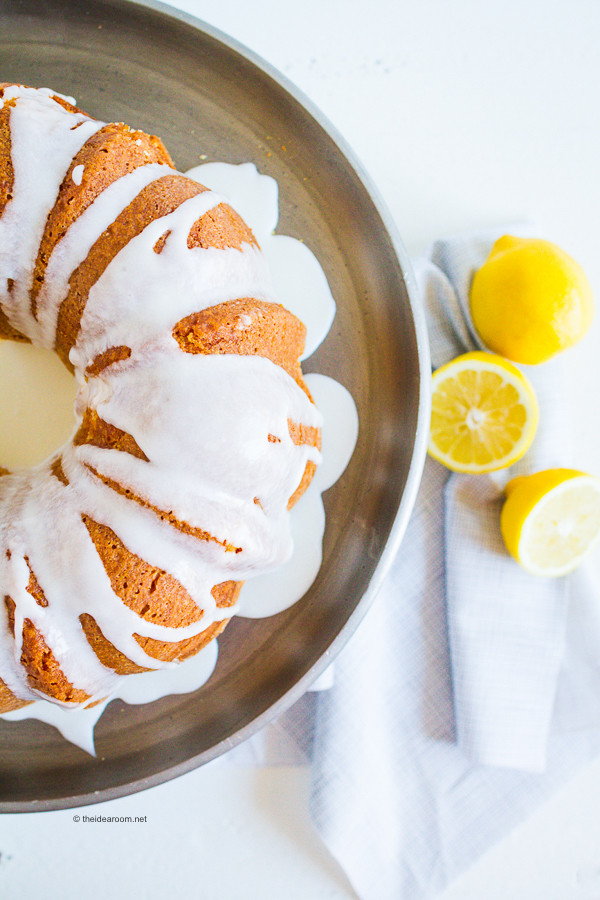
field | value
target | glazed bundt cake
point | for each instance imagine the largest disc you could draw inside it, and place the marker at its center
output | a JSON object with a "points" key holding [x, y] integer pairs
{"points": [[195, 433]]}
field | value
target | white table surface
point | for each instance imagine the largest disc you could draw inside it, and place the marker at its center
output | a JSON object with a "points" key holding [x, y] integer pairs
{"points": [[465, 113]]}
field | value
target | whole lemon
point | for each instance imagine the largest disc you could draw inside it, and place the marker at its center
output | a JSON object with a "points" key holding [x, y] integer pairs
{"points": [[530, 300]]}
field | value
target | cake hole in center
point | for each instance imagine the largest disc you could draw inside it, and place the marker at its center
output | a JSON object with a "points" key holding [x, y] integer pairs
{"points": [[36, 404]]}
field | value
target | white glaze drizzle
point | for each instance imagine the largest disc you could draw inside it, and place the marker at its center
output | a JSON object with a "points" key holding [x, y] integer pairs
{"points": [[44, 140], [77, 174], [72, 250], [255, 195], [202, 421]]}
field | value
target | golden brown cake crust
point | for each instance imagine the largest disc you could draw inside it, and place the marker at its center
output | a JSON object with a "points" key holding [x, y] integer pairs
{"points": [[247, 326], [43, 671], [155, 596], [6, 169], [6, 184], [94, 430], [8, 701]]}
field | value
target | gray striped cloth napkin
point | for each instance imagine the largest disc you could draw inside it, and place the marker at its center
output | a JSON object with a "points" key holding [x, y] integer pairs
{"points": [[506, 627]]}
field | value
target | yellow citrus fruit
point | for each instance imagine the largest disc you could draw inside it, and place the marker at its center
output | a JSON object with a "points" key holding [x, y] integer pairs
{"points": [[551, 520], [530, 300], [484, 413]]}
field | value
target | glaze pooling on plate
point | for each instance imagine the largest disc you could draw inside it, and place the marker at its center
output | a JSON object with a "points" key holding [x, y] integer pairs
{"points": [[301, 286]]}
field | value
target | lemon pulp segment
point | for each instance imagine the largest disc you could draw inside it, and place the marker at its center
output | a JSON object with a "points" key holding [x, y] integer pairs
{"points": [[484, 413], [551, 520]]}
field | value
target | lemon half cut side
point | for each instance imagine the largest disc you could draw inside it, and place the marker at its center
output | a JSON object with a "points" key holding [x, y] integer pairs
{"points": [[484, 413], [551, 520]]}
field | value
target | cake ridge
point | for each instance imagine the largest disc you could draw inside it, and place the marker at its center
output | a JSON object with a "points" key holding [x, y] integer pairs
{"points": [[99, 163], [78, 240], [34, 188]]}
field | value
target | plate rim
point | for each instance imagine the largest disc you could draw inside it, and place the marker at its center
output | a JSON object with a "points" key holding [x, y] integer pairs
{"points": [[415, 470]]}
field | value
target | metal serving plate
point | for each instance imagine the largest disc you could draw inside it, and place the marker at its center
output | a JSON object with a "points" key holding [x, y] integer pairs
{"points": [[203, 94]]}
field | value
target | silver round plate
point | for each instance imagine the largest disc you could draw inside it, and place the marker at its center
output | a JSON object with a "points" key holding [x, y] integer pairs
{"points": [[203, 94]]}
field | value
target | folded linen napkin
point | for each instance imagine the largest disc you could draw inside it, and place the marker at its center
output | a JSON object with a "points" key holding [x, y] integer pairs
{"points": [[450, 696], [506, 627]]}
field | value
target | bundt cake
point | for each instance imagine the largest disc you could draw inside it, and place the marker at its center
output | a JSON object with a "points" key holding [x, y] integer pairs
{"points": [[195, 432]]}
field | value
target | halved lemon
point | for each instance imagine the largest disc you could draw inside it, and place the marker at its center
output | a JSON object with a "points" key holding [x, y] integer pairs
{"points": [[551, 520], [484, 413]]}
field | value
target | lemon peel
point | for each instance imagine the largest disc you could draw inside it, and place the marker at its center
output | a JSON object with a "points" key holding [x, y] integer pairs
{"points": [[484, 413], [530, 300]]}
